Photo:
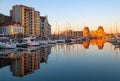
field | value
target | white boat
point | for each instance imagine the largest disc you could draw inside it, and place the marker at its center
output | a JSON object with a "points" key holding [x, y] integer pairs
{"points": [[52, 41], [113, 40], [43, 42], [60, 41], [31, 41], [118, 40], [117, 46], [21, 43], [73, 41], [7, 43]]}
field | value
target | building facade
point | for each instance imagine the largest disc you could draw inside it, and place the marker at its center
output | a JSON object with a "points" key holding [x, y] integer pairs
{"points": [[77, 34], [45, 27], [28, 17], [12, 28], [100, 32], [86, 32], [93, 34], [37, 23]]}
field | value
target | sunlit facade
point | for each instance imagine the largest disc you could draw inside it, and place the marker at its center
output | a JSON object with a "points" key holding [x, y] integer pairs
{"points": [[13, 28], [28, 17], [93, 33], [86, 32], [37, 23], [100, 32]]}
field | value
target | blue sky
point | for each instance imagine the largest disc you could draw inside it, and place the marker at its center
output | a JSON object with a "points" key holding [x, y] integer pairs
{"points": [[76, 13]]}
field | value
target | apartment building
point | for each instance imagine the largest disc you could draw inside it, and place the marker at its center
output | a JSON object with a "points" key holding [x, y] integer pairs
{"points": [[37, 23], [45, 27], [28, 17]]}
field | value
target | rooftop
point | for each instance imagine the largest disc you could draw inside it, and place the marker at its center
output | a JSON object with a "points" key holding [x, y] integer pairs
{"points": [[24, 6], [42, 18], [10, 23]]}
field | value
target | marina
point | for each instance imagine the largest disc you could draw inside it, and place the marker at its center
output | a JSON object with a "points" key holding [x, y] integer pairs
{"points": [[39, 61], [59, 40]]}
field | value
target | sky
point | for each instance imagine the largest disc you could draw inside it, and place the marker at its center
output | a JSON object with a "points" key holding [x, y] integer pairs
{"points": [[74, 14]]}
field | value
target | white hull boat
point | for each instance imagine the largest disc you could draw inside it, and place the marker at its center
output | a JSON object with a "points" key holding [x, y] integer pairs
{"points": [[31, 41], [43, 43], [6, 43], [52, 42]]}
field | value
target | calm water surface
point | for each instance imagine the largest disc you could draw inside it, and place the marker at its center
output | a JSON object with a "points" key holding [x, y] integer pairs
{"points": [[94, 60]]}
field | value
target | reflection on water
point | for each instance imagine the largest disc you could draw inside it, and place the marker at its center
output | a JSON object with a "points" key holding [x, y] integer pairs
{"points": [[86, 44], [90, 60], [24, 61], [99, 42]]}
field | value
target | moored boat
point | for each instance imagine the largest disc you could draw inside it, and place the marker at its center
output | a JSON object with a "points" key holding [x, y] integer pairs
{"points": [[52, 41], [7, 43], [21, 43], [43, 42], [32, 41], [60, 41]]}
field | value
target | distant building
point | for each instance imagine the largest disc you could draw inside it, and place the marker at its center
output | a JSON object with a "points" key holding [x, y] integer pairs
{"points": [[45, 27], [77, 34], [5, 19], [93, 34], [49, 30], [86, 32], [28, 17], [12, 28], [100, 32]]}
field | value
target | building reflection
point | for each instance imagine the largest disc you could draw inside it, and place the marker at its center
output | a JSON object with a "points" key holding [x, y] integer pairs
{"points": [[99, 42], [26, 61], [4, 63], [93, 42], [86, 44], [44, 52]]}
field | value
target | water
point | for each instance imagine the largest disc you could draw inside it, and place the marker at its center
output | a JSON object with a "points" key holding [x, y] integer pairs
{"points": [[94, 60]]}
